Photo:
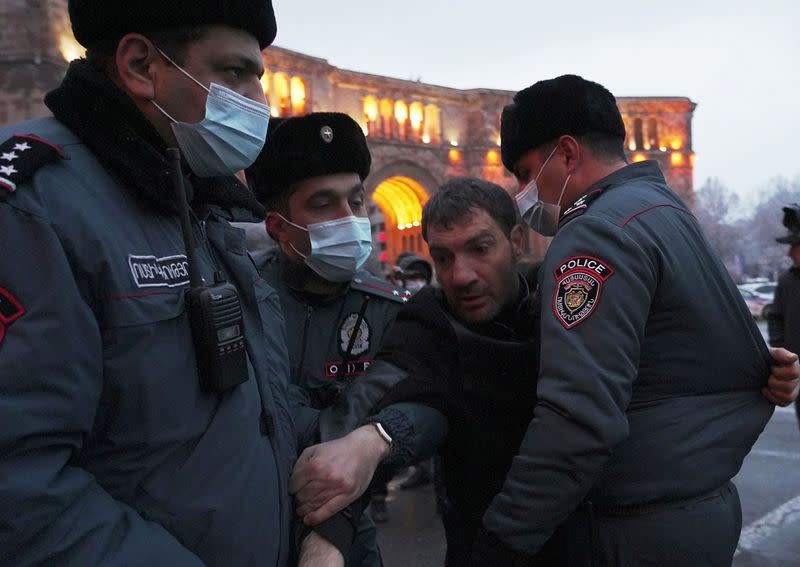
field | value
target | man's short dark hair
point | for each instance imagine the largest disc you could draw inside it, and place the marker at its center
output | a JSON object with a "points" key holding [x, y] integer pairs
{"points": [[462, 197], [174, 43]]}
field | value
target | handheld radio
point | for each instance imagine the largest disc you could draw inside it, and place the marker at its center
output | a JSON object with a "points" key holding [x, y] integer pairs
{"points": [[215, 312]]}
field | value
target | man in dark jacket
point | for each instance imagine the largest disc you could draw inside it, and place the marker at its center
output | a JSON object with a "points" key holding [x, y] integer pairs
{"points": [[112, 452], [783, 321]]}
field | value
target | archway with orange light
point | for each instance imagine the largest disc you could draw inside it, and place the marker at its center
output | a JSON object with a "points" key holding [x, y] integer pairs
{"points": [[400, 199]]}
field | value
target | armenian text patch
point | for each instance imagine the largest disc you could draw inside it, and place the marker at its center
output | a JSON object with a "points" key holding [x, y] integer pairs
{"points": [[169, 271], [579, 283]]}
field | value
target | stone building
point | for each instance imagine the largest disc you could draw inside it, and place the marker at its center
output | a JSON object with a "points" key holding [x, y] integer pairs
{"points": [[419, 134]]}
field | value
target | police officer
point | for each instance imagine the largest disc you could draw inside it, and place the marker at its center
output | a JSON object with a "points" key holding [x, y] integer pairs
{"points": [[783, 320], [310, 178], [111, 449], [651, 365]]}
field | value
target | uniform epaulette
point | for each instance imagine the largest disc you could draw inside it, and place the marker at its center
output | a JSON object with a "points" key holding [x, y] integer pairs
{"points": [[20, 157], [579, 206], [370, 284]]}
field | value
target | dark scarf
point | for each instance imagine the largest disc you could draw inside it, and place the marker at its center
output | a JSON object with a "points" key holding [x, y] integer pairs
{"points": [[127, 144]]}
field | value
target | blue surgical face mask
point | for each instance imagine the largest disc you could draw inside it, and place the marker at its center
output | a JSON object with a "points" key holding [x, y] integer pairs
{"points": [[540, 216], [230, 136], [339, 248]]}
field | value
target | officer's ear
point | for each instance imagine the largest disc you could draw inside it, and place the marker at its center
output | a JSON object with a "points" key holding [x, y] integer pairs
{"points": [[277, 227], [571, 150], [137, 63]]}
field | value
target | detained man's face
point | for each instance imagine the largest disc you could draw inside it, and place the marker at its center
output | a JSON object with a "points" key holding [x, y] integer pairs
{"points": [[475, 265]]}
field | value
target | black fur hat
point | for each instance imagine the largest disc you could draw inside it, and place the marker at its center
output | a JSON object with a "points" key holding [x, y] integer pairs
{"points": [[96, 21], [548, 109], [321, 143], [791, 220]]}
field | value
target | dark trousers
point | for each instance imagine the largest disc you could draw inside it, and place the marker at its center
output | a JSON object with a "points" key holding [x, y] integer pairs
{"points": [[700, 533]]}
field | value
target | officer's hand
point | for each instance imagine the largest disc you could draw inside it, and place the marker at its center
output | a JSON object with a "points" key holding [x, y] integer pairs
{"points": [[316, 551], [783, 384], [331, 475]]}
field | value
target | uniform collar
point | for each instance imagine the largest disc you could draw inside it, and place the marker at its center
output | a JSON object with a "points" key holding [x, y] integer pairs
{"points": [[640, 170]]}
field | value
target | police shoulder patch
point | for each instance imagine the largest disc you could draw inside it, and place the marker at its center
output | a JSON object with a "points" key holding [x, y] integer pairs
{"points": [[10, 310], [21, 156], [348, 335], [370, 284], [579, 284]]}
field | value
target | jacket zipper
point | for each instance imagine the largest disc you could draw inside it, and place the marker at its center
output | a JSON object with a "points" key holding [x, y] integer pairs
{"points": [[298, 370]]}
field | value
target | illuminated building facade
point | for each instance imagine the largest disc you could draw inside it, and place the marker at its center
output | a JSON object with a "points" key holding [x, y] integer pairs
{"points": [[419, 134]]}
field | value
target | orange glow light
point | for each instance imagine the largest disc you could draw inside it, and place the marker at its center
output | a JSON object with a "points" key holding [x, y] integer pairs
{"points": [[416, 113], [676, 143], [69, 48], [371, 108], [493, 157], [691, 160], [638, 157], [400, 111], [454, 156], [676, 159]]}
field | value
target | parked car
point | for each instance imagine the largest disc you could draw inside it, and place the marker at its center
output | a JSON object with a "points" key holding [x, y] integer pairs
{"points": [[759, 304], [765, 289]]}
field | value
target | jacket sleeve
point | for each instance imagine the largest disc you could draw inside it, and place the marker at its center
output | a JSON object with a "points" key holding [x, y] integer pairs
{"points": [[775, 318], [51, 377], [417, 431], [584, 387]]}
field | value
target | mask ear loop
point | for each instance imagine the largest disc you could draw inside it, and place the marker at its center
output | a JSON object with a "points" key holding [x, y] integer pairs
{"points": [[287, 221], [182, 70], [564, 188]]}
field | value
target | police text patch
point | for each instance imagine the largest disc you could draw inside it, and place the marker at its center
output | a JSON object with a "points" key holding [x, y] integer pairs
{"points": [[579, 282], [10, 310], [169, 271]]}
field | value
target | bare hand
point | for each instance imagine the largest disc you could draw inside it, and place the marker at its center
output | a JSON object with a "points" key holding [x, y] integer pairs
{"points": [[783, 384], [331, 475], [316, 551]]}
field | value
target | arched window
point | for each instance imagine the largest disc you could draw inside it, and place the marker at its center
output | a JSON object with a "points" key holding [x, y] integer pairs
{"points": [[371, 114], [416, 115], [298, 95], [282, 96], [652, 135], [401, 115], [387, 117], [432, 126], [638, 135]]}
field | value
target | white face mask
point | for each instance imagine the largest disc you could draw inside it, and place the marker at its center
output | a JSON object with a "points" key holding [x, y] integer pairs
{"points": [[339, 248], [540, 216], [230, 136]]}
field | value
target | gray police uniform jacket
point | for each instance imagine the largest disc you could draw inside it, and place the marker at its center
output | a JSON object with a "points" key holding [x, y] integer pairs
{"points": [[332, 340], [651, 365], [109, 451]]}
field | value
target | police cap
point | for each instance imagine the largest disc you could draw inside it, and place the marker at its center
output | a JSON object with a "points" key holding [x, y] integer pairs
{"points": [[97, 21], [566, 105], [320, 143]]}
